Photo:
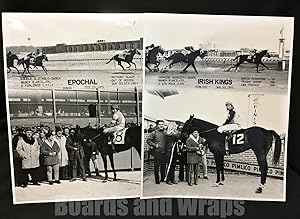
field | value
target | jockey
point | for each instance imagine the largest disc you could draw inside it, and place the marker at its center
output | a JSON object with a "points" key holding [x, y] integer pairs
{"points": [[9, 54], [231, 124], [148, 48], [118, 121], [124, 54], [30, 56], [253, 56], [188, 50], [37, 53]]}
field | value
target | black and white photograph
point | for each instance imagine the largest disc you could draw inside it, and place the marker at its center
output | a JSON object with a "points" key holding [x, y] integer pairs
{"points": [[216, 106], [74, 105], [187, 50]]}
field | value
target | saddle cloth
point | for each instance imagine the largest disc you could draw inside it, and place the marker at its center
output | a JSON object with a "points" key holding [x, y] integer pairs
{"points": [[119, 137], [236, 138]]}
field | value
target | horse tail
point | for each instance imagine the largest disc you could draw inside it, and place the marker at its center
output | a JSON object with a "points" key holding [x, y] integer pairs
{"points": [[277, 150], [110, 60]]}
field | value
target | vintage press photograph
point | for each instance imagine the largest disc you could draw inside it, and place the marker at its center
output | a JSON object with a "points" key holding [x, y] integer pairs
{"points": [[74, 105], [216, 106]]}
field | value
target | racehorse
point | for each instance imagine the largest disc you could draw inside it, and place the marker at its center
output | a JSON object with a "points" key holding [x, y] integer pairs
{"points": [[189, 59], [10, 62], [128, 58], [256, 60], [132, 139], [151, 57], [37, 63], [256, 138]]}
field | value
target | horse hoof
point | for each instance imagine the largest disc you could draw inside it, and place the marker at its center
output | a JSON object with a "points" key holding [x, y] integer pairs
{"points": [[221, 183], [215, 185], [104, 181], [258, 190], [115, 179]]}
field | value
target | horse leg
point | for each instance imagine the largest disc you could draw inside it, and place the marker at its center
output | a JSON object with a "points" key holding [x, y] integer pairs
{"points": [[16, 69], [24, 71], [170, 65], [262, 162], [104, 159], [222, 171], [204, 63], [264, 65], [217, 160], [257, 64], [156, 65], [45, 70], [112, 164], [129, 65], [186, 67], [119, 63], [236, 66], [9, 70], [193, 65], [134, 65], [148, 67]]}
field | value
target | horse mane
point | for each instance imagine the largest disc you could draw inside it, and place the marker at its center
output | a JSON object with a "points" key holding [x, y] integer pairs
{"points": [[207, 123]]}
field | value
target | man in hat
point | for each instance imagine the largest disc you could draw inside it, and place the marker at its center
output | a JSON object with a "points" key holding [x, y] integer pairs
{"points": [[76, 155], [29, 150], [118, 121], [231, 123]]}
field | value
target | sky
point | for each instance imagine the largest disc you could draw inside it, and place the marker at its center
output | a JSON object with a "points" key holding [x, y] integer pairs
{"points": [[46, 29], [175, 31], [209, 106]]}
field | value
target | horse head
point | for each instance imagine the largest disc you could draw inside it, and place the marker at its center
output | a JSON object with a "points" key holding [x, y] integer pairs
{"points": [[267, 54], [161, 50], [136, 51], [44, 57], [201, 53], [186, 128], [263, 53]]}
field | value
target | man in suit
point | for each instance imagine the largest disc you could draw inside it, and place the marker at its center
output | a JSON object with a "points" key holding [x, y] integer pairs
{"points": [[76, 155], [157, 143], [91, 153]]}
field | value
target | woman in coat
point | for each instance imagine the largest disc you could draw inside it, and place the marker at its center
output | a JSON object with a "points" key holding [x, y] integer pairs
{"points": [[50, 150], [29, 150], [193, 145]]}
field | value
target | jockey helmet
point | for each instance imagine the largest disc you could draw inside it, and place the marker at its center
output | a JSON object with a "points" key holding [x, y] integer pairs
{"points": [[228, 103], [115, 106]]}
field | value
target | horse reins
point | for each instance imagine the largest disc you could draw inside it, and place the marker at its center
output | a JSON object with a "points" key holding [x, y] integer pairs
{"points": [[209, 130], [95, 136]]}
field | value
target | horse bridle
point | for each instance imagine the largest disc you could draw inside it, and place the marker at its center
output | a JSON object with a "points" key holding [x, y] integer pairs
{"points": [[209, 130]]}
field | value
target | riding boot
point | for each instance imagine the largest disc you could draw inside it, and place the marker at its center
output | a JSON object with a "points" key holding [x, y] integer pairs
{"points": [[111, 138], [227, 146]]}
